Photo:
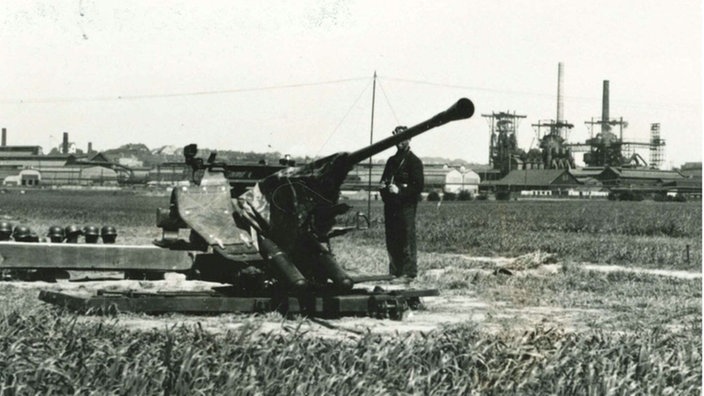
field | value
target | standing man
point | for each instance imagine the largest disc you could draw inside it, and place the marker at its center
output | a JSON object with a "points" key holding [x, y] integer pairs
{"points": [[401, 185]]}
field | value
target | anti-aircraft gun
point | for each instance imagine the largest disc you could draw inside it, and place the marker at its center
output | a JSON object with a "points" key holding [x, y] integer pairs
{"points": [[271, 244]]}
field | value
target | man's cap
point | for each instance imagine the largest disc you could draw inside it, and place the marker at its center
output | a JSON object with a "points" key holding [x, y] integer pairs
{"points": [[399, 129]]}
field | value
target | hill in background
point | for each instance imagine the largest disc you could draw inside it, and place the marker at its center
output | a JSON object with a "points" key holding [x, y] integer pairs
{"points": [[139, 155]]}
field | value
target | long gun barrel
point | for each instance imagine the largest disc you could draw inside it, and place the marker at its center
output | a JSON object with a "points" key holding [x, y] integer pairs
{"points": [[302, 203], [464, 108]]}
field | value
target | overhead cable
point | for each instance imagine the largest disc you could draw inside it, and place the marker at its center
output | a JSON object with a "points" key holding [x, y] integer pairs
{"points": [[344, 117], [388, 103], [178, 94], [541, 94]]}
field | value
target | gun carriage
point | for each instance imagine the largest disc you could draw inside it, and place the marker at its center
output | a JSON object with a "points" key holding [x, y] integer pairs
{"points": [[269, 244]]}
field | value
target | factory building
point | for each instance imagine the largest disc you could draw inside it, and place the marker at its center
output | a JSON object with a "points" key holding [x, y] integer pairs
{"points": [[437, 177], [556, 181], [691, 170], [637, 178], [27, 166], [78, 175]]}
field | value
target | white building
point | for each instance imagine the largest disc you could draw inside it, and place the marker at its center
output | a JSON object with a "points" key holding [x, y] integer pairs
{"points": [[26, 177], [457, 180]]}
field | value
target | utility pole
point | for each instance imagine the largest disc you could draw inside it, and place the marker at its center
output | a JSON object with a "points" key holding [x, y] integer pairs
{"points": [[371, 141]]}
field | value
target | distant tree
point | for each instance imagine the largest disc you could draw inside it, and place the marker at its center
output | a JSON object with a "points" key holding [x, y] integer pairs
{"points": [[464, 195], [503, 195], [627, 196], [449, 196], [72, 150], [433, 196], [134, 147], [680, 198], [660, 197]]}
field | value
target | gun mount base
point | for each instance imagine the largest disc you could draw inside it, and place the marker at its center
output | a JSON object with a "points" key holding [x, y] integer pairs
{"points": [[378, 303]]}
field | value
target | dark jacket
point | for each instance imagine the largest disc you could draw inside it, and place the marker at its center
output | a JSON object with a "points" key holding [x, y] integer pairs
{"points": [[405, 170]]}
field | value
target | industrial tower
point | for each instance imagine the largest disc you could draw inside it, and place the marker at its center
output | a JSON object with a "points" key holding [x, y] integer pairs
{"points": [[552, 134], [657, 146], [503, 147], [607, 149]]}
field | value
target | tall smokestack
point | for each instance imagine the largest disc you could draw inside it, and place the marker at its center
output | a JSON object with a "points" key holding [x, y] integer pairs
{"points": [[90, 147], [560, 88], [560, 102], [4, 137], [64, 145], [605, 127]]}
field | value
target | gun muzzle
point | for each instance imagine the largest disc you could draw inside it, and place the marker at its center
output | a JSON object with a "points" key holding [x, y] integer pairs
{"points": [[463, 108]]}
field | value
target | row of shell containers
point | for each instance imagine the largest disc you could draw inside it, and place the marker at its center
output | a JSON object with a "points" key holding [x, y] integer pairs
{"points": [[58, 234]]}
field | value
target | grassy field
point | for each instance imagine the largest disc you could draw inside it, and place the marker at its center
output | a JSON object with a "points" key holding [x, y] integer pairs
{"points": [[570, 331], [649, 234]]}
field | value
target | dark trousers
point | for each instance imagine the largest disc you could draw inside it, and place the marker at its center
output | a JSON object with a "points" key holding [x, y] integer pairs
{"points": [[400, 224]]}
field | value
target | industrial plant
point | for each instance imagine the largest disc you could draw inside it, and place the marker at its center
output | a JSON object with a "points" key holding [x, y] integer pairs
{"points": [[612, 167], [613, 164]]}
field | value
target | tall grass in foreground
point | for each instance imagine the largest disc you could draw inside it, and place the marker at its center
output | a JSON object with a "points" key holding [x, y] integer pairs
{"points": [[43, 352]]}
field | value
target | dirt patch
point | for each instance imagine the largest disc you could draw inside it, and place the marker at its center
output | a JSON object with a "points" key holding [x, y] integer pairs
{"points": [[657, 272], [538, 263], [438, 312]]}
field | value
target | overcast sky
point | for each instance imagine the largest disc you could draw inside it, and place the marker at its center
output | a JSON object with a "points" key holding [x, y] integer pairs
{"points": [[296, 76]]}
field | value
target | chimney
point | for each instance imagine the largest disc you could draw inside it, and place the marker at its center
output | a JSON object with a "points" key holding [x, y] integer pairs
{"points": [[4, 137], [605, 127], [90, 147], [560, 88], [64, 145], [560, 101]]}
